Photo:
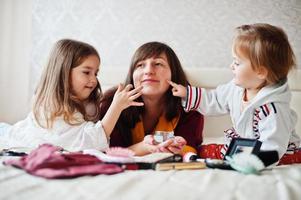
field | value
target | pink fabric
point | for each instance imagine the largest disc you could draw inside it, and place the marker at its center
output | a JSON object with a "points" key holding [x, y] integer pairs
{"points": [[47, 161]]}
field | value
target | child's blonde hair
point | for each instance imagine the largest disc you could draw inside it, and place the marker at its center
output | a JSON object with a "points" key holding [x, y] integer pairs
{"points": [[265, 46], [53, 96]]}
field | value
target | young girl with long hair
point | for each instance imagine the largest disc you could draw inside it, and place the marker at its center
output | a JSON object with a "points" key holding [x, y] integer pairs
{"points": [[66, 103]]}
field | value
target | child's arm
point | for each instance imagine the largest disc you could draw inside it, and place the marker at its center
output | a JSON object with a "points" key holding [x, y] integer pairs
{"points": [[123, 98], [274, 125], [207, 102], [178, 90]]}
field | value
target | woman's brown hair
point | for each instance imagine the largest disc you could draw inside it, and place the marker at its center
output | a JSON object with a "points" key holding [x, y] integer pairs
{"points": [[53, 97], [130, 116]]}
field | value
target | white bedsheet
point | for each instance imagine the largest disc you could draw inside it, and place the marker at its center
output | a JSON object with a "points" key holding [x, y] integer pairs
{"points": [[281, 183]]}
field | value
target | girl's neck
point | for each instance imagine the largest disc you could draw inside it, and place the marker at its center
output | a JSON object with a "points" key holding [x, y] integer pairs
{"points": [[250, 94]]}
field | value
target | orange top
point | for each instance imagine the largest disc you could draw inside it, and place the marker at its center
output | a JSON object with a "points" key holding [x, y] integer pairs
{"points": [[162, 125]]}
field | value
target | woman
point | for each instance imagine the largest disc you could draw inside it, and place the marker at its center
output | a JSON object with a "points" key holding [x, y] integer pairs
{"points": [[152, 65]]}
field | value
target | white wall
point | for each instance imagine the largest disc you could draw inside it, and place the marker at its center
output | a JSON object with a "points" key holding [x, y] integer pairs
{"points": [[200, 31], [15, 48]]}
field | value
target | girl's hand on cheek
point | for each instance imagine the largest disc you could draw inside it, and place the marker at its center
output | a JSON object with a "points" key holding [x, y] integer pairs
{"points": [[125, 97], [178, 90]]}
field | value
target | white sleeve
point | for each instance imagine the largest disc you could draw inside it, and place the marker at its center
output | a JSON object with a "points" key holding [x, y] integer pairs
{"points": [[275, 130], [208, 102], [92, 136]]}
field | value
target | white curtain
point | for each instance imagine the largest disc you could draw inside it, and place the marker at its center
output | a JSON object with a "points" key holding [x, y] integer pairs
{"points": [[15, 49]]}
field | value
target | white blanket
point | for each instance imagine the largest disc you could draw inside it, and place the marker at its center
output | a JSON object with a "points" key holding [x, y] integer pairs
{"points": [[281, 183]]}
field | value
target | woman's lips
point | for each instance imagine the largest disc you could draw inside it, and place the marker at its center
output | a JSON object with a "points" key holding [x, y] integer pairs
{"points": [[150, 80]]}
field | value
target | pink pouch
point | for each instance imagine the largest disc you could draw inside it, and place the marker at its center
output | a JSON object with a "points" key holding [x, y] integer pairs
{"points": [[48, 161]]}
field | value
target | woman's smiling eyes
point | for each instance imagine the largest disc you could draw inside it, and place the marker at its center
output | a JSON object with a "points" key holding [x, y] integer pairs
{"points": [[159, 64], [154, 63]]}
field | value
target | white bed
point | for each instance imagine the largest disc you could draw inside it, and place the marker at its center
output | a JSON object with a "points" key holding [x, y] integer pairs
{"points": [[283, 182]]}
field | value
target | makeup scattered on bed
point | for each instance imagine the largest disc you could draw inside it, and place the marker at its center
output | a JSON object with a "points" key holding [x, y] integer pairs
{"points": [[8, 152]]}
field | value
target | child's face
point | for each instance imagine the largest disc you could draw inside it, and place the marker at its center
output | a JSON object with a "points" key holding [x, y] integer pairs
{"points": [[84, 77], [152, 74], [244, 75]]}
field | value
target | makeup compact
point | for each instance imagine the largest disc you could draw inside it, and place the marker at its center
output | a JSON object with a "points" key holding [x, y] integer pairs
{"points": [[162, 136]]}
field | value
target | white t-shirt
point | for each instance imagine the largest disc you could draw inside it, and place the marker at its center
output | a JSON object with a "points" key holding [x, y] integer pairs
{"points": [[86, 135]]}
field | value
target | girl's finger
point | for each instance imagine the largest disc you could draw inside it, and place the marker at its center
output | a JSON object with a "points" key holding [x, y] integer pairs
{"points": [[135, 90], [120, 87], [128, 87], [172, 83], [135, 96], [135, 103]]}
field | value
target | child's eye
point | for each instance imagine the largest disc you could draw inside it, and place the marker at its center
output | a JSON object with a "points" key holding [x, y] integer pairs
{"points": [[159, 64], [236, 63], [87, 73]]}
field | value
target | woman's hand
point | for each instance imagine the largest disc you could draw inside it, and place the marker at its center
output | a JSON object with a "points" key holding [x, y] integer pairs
{"points": [[124, 96], [174, 145], [177, 146], [178, 90]]}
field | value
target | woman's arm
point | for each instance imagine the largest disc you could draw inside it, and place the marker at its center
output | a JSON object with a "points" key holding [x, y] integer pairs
{"points": [[190, 127], [141, 148]]}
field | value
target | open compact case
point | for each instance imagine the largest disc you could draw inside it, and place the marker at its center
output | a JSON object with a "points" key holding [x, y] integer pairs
{"points": [[242, 155], [162, 136]]}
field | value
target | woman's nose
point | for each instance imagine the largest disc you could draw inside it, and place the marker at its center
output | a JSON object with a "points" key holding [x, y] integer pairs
{"points": [[149, 68]]}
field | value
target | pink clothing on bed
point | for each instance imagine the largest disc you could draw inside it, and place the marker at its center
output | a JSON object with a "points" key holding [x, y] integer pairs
{"points": [[47, 161]]}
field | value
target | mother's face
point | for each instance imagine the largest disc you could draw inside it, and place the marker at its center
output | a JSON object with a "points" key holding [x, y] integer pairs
{"points": [[152, 74]]}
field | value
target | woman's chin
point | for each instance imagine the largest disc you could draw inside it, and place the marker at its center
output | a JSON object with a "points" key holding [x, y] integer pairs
{"points": [[151, 93]]}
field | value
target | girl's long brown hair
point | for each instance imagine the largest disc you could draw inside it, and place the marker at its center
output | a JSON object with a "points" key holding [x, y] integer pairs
{"points": [[53, 97]]}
